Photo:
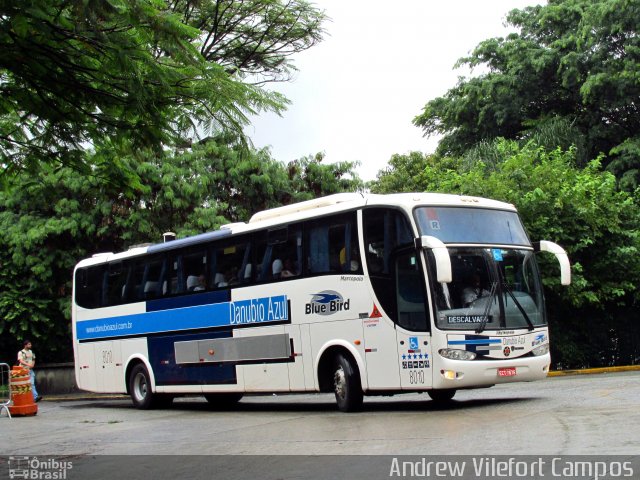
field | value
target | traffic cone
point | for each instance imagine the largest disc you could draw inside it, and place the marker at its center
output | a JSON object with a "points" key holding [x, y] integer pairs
{"points": [[21, 395]]}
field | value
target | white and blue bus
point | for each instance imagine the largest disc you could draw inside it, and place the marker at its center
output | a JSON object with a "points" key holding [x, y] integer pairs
{"points": [[352, 294]]}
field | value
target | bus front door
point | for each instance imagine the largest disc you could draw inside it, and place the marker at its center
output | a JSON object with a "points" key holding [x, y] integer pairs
{"points": [[412, 323]]}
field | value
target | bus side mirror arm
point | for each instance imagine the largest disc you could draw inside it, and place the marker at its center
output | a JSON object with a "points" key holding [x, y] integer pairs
{"points": [[441, 254], [561, 255]]}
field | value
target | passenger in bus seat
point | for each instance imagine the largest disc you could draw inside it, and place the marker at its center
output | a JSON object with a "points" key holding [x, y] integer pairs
{"points": [[202, 283], [288, 269], [354, 264], [474, 291], [232, 275]]}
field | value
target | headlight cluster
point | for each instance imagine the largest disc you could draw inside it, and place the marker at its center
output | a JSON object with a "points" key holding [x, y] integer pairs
{"points": [[541, 350], [455, 354]]}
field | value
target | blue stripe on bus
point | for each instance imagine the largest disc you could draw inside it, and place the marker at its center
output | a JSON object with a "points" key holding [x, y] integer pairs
{"points": [[163, 361], [257, 311], [484, 341], [189, 300]]}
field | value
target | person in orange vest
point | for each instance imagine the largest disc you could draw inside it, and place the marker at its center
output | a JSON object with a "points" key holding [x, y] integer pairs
{"points": [[27, 360]]}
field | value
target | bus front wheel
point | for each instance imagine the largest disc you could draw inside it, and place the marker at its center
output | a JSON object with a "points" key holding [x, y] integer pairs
{"points": [[441, 396], [346, 385], [140, 388]]}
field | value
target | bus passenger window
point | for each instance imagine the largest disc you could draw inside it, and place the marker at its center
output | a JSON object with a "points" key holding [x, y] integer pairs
{"points": [[232, 264], [117, 279], [333, 245], [279, 253], [89, 286], [195, 268]]}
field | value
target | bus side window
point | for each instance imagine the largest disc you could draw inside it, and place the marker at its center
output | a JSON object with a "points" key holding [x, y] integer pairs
{"points": [[89, 286], [173, 274], [232, 264], [116, 282], [318, 241], [280, 256], [195, 270], [332, 244]]}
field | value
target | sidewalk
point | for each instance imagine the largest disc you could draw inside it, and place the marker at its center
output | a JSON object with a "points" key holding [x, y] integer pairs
{"points": [[586, 371]]}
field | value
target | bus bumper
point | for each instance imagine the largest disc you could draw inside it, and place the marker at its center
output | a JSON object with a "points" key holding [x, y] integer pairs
{"points": [[481, 373]]}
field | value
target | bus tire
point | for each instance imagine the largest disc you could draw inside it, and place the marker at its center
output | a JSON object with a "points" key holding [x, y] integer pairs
{"points": [[223, 400], [346, 385], [442, 396], [140, 388]]}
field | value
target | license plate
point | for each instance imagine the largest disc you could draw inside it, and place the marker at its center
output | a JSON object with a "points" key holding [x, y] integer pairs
{"points": [[507, 372]]}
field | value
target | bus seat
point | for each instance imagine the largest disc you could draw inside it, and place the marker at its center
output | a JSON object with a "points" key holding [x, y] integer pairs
{"points": [[219, 279], [150, 289], [276, 268], [247, 273], [192, 282]]}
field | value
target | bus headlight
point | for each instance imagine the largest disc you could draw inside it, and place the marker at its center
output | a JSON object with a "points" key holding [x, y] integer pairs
{"points": [[541, 350], [455, 354]]}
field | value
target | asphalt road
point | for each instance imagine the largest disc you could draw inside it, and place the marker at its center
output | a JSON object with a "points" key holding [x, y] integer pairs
{"points": [[572, 415]]}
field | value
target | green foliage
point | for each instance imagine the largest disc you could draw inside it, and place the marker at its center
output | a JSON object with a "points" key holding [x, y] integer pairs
{"points": [[579, 208], [569, 77], [253, 38], [137, 75], [310, 178], [48, 222]]}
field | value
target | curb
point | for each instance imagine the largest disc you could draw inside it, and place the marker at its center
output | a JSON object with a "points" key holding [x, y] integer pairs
{"points": [[83, 396], [587, 371]]}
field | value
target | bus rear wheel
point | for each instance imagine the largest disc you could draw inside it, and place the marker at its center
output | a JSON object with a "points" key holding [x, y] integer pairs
{"points": [[346, 385], [140, 388], [442, 396]]}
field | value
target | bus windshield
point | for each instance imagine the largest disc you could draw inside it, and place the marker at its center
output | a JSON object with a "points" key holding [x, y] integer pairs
{"points": [[492, 288], [471, 225]]}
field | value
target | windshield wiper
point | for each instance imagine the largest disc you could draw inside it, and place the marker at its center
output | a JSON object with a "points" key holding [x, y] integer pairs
{"points": [[518, 304], [487, 309]]}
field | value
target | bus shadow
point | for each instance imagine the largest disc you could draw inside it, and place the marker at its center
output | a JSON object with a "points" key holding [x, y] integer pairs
{"points": [[287, 404]]}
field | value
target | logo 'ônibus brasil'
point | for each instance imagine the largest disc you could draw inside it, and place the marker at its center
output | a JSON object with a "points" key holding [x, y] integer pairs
{"points": [[326, 302]]}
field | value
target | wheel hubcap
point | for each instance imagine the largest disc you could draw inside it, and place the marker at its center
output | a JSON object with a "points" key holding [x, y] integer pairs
{"points": [[141, 387], [340, 383]]}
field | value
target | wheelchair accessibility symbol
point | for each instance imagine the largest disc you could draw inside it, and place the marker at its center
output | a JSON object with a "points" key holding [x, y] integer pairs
{"points": [[413, 343]]}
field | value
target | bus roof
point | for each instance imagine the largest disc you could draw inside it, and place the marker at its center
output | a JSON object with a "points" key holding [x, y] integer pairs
{"points": [[310, 209]]}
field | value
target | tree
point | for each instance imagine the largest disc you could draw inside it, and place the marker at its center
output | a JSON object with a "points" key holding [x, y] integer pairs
{"points": [[310, 178], [573, 67], [253, 38], [127, 73], [51, 220], [406, 173], [579, 208]]}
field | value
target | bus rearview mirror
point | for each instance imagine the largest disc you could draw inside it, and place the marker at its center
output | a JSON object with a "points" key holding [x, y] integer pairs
{"points": [[561, 255], [441, 255]]}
